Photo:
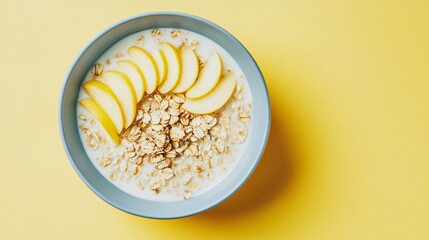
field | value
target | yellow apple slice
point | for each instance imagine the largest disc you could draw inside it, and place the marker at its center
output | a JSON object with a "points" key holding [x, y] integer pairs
{"points": [[161, 63], [147, 65], [123, 89], [215, 99], [135, 75], [208, 78], [107, 100], [102, 117], [190, 69], [174, 68]]}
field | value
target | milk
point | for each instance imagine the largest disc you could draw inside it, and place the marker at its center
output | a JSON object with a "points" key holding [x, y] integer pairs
{"points": [[205, 49]]}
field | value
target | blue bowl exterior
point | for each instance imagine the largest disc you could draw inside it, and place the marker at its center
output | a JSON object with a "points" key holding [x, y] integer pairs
{"points": [[258, 134]]}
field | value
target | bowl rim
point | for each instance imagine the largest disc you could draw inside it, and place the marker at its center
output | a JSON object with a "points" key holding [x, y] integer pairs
{"points": [[212, 204]]}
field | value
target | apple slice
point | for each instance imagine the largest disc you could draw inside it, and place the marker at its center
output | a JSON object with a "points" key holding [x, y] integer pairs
{"points": [[135, 75], [123, 89], [174, 68], [190, 69], [215, 99], [208, 78], [147, 65], [107, 100], [102, 117], [161, 63]]}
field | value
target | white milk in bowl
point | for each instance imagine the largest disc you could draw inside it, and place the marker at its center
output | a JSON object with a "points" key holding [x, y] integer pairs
{"points": [[165, 114]]}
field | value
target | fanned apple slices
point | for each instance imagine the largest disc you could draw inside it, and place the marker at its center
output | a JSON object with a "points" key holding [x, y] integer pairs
{"points": [[121, 86], [215, 99], [114, 98], [102, 117], [208, 79], [190, 69], [161, 63], [173, 70], [135, 75], [107, 100], [147, 65]]}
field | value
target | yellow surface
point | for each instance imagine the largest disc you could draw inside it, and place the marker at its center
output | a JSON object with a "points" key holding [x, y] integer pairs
{"points": [[348, 156]]}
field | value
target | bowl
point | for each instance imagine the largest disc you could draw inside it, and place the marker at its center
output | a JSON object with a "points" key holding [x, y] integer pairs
{"points": [[258, 132]]}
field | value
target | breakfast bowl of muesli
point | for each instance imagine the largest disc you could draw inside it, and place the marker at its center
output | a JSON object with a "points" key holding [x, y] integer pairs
{"points": [[164, 115]]}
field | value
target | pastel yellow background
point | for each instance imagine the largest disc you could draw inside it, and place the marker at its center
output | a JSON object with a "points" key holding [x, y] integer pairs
{"points": [[348, 157]]}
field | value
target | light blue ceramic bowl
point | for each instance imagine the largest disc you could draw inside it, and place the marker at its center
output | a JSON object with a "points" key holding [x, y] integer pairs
{"points": [[258, 134]]}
